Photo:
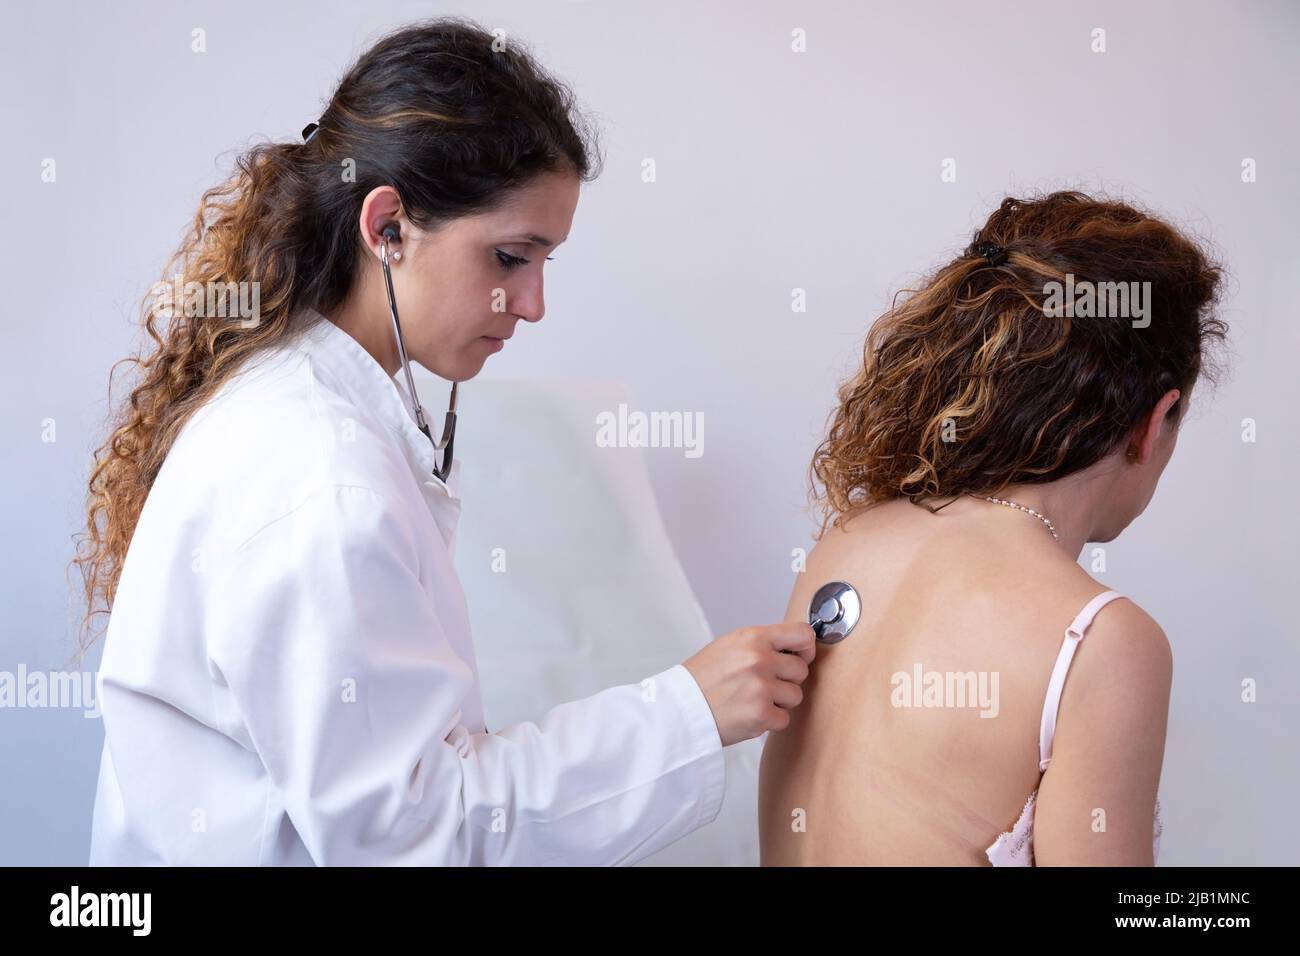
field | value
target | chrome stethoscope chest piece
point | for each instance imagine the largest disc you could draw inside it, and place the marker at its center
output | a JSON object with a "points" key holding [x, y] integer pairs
{"points": [[834, 611]]}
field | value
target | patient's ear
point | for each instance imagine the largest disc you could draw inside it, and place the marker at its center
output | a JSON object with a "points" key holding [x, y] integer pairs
{"points": [[1142, 444]]}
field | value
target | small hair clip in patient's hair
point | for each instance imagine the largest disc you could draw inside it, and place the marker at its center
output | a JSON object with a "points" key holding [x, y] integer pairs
{"points": [[995, 254], [309, 131]]}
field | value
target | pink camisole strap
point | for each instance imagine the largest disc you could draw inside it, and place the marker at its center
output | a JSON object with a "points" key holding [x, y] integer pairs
{"points": [[1052, 704]]}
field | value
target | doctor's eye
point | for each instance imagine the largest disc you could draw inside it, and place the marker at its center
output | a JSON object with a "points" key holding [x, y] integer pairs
{"points": [[510, 262]]}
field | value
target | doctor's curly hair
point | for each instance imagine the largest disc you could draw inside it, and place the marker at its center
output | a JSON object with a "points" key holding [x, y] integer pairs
{"points": [[968, 384], [450, 115]]}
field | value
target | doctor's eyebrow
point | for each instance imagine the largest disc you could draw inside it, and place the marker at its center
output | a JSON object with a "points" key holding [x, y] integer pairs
{"points": [[534, 238]]}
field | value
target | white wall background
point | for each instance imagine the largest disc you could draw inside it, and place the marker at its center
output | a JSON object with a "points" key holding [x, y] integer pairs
{"points": [[776, 170]]}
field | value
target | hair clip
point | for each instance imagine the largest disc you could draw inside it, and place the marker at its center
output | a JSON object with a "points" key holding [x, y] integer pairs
{"points": [[992, 252], [309, 131]]}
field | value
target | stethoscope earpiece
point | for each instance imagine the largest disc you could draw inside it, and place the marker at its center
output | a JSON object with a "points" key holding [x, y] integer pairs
{"points": [[393, 233]]}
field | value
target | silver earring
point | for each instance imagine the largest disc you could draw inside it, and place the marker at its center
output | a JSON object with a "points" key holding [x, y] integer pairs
{"points": [[396, 256]]}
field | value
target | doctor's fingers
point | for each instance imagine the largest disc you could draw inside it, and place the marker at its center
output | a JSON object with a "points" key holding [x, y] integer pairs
{"points": [[795, 637], [790, 667], [786, 695]]}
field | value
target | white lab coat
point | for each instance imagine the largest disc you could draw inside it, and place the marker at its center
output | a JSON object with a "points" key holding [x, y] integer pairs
{"points": [[288, 676]]}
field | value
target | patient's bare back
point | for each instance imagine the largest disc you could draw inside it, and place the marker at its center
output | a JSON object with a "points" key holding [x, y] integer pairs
{"points": [[917, 739]]}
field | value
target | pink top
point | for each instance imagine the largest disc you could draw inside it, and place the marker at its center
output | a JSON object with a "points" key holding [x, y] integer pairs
{"points": [[1016, 846]]}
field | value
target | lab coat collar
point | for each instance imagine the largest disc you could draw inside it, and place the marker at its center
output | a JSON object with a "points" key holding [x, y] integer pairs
{"points": [[386, 396]]}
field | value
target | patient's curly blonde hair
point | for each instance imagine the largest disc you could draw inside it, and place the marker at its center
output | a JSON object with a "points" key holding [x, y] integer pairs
{"points": [[969, 385]]}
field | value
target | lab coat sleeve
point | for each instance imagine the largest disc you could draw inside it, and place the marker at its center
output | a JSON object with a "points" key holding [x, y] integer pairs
{"points": [[345, 685]]}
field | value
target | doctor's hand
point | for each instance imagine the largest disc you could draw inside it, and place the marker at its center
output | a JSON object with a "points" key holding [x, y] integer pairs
{"points": [[751, 677]]}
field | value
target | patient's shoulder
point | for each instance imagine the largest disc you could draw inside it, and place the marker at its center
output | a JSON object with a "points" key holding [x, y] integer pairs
{"points": [[845, 550], [1126, 648], [860, 532], [1114, 711]]}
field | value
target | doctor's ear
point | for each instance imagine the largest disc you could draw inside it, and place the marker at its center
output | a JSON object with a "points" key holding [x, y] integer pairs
{"points": [[382, 221]]}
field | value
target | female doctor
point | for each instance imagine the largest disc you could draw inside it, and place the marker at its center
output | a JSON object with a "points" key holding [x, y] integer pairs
{"points": [[288, 675]]}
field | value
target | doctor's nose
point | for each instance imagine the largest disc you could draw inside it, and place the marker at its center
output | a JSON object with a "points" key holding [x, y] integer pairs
{"points": [[529, 303]]}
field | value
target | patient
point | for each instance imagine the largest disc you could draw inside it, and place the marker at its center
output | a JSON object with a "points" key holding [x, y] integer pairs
{"points": [[1006, 413]]}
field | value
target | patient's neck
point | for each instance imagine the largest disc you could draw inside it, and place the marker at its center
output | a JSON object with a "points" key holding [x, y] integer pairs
{"points": [[1075, 505]]}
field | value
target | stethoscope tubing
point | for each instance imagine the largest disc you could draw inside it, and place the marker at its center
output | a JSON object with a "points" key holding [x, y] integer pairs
{"points": [[447, 444]]}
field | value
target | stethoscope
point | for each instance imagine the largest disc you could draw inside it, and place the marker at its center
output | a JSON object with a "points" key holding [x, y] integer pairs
{"points": [[392, 233], [834, 610]]}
